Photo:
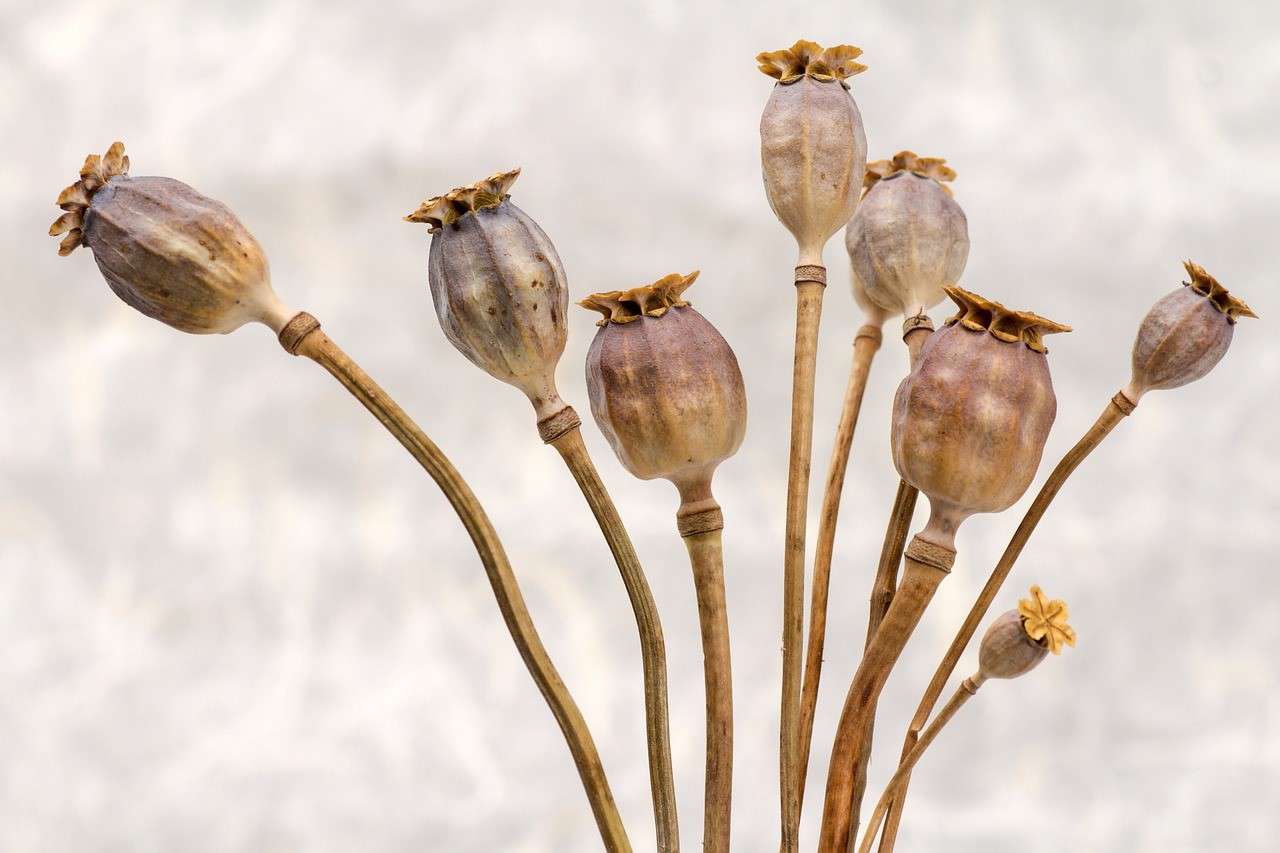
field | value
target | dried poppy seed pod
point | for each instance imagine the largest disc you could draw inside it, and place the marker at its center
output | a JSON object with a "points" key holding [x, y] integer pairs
{"points": [[813, 149], [971, 419], [498, 286], [909, 238], [168, 251], [665, 387], [1019, 640], [1184, 334]]}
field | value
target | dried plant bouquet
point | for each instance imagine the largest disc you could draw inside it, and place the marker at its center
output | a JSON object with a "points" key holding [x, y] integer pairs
{"points": [[970, 421]]}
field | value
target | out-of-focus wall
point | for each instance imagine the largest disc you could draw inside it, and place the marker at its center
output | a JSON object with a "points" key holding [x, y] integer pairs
{"points": [[235, 617]]}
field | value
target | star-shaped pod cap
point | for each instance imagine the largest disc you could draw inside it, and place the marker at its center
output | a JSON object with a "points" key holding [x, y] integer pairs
{"points": [[1045, 621], [978, 313], [439, 211], [908, 161], [810, 59], [651, 300], [1208, 287], [75, 199]]}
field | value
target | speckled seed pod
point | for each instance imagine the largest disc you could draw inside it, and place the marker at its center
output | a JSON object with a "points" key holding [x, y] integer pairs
{"points": [[498, 286], [1184, 334], [812, 145], [165, 249], [909, 238], [665, 387], [971, 419]]}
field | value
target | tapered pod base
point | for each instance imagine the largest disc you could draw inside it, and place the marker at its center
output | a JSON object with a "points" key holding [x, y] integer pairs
{"points": [[562, 431], [302, 336]]}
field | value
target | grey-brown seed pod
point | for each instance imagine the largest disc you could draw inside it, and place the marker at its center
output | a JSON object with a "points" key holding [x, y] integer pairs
{"points": [[908, 238], [971, 419], [1018, 640], [813, 148], [665, 387], [498, 286], [1184, 334], [166, 250]]}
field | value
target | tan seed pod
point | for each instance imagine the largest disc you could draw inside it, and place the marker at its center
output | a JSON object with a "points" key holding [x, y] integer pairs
{"points": [[166, 250], [908, 238], [665, 386], [1018, 640], [813, 148], [498, 286], [971, 419], [1185, 334]]}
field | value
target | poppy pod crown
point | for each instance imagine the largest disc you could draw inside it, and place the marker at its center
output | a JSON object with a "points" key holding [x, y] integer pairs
{"points": [[813, 148], [665, 387], [909, 238], [166, 250], [1185, 334], [498, 286], [971, 419]]}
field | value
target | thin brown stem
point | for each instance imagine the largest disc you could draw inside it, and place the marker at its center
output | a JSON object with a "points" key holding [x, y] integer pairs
{"points": [[926, 564], [1117, 409], [302, 336], [808, 313], [706, 557], [864, 349], [653, 653], [967, 689]]}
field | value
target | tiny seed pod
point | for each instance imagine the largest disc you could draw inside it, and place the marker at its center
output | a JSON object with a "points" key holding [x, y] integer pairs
{"points": [[971, 419], [909, 238], [813, 148], [1184, 334], [166, 250], [498, 287], [665, 387], [1019, 640]]}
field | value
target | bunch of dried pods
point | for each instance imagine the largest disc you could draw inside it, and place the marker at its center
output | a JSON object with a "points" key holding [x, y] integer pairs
{"points": [[969, 422]]}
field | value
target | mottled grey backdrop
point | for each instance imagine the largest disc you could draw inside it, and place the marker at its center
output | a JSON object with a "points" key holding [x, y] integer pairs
{"points": [[235, 617]]}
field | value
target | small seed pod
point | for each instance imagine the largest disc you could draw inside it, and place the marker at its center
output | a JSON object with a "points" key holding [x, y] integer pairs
{"points": [[812, 145], [909, 238], [168, 251], [665, 387], [1019, 639], [1184, 334], [498, 286], [971, 419]]}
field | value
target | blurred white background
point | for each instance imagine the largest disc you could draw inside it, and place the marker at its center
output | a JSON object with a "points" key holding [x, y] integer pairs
{"points": [[234, 616]]}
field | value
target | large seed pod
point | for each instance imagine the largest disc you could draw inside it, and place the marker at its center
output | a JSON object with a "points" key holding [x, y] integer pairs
{"points": [[971, 419], [166, 250], [909, 238], [813, 148], [498, 286], [665, 387], [1184, 334]]}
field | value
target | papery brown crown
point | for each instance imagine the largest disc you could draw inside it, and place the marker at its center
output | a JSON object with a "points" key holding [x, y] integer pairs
{"points": [[981, 314], [1208, 286], [76, 198], [439, 211], [651, 300], [909, 161], [810, 59]]}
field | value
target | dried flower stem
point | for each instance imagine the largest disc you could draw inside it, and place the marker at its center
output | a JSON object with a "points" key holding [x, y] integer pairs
{"points": [[706, 557], [925, 566], [1117, 409], [652, 648], [967, 689], [865, 345], [810, 283], [302, 336]]}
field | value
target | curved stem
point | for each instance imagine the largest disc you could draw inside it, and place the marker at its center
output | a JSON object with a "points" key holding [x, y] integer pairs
{"points": [[967, 689], [1116, 411], [306, 339], [652, 648], [808, 314], [864, 349], [926, 564], [707, 560]]}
